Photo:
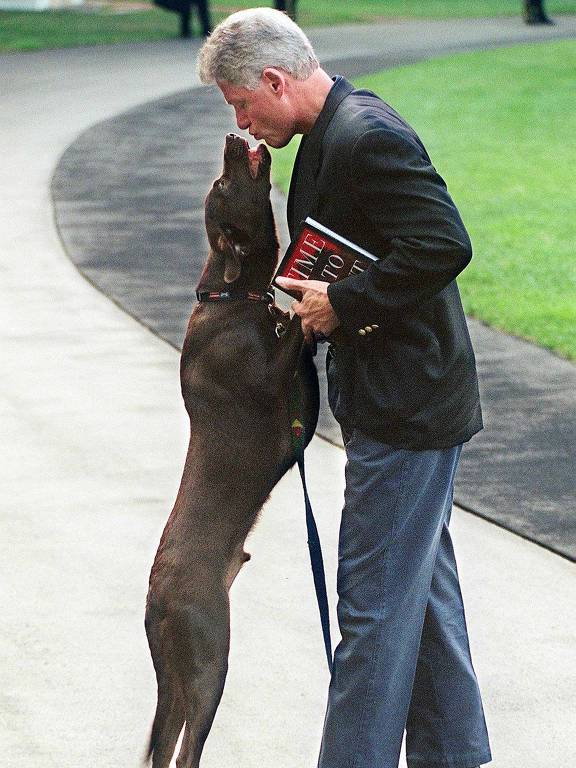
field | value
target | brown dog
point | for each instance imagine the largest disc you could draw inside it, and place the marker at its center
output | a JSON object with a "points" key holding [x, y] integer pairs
{"points": [[238, 377]]}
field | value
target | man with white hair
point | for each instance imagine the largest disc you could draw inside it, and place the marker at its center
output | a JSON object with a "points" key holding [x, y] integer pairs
{"points": [[402, 384]]}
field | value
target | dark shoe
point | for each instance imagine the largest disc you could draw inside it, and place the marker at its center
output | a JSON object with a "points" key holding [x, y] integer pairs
{"points": [[538, 20]]}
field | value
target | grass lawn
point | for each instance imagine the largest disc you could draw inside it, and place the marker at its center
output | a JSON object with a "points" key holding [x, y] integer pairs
{"points": [[500, 129], [52, 29], [27, 31]]}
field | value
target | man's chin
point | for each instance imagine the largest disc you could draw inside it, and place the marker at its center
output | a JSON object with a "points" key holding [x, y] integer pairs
{"points": [[277, 143]]}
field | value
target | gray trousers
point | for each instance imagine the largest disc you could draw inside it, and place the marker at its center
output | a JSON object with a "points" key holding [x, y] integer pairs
{"points": [[403, 662]]}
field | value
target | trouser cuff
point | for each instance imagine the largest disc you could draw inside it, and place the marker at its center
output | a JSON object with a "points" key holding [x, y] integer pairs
{"points": [[469, 760]]}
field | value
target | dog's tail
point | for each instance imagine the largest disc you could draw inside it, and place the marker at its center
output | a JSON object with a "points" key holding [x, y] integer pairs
{"points": [[169, 717]]}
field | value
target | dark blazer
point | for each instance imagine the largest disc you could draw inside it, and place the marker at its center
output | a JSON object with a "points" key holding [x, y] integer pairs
{"points": [[411, 379]]}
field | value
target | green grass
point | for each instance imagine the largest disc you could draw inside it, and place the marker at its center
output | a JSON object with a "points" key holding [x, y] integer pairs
{"points": [[54, 29], [500, 128], [312, 12], [21, 30]]}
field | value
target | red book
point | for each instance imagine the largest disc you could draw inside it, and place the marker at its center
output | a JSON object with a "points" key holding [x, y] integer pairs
{"points": [[318, 253]]}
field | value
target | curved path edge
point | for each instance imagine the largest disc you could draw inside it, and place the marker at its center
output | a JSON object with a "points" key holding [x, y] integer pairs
{"points": [[128, 203]]}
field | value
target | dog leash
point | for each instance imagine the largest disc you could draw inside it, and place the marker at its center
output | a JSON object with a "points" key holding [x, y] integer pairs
{"points": [[237, 295], [298, 442]]}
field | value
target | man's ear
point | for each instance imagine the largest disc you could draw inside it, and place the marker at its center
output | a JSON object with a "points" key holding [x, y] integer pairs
{"points": [[274, 79]]}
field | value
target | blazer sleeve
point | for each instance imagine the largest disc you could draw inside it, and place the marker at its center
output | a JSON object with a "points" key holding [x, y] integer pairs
{"points": [[403, 202]]}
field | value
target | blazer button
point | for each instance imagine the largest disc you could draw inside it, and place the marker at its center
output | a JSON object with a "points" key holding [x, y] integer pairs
{"points": [[375, 327], [368, 329], [362, 332]]}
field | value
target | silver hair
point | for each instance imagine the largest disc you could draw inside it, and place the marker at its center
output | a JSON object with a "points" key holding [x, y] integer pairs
{"points": [[247, 42]]}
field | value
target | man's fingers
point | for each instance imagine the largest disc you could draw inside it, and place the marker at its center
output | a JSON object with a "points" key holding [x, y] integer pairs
{"points": [[308, 333], [291, 284], [296, 305]]}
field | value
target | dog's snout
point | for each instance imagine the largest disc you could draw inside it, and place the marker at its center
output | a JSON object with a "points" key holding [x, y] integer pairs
{"points": [[235, 147]]}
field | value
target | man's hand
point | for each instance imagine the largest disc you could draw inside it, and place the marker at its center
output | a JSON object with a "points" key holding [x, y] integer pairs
{"points": [[314, 308]]}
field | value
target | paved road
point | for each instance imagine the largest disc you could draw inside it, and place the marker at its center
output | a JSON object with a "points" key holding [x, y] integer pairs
{"points": [[94, 438], [129, 204]]}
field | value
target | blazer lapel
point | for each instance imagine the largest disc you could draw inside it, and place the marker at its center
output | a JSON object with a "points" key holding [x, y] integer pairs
{"points": [[303, 195], [292, 221]]}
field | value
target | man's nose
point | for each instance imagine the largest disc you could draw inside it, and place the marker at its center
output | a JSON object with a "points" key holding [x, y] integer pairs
{"points": [[242, 121]]}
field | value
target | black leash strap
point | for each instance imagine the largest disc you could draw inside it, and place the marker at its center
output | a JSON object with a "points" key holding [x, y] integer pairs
{"points": [[317, 566], [316, 560]]}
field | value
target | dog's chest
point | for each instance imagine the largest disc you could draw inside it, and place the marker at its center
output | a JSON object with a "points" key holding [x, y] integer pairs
{"points": [[224, 361]]}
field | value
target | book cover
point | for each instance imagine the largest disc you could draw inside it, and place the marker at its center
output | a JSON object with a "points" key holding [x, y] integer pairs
{"points": [[318, 253]]}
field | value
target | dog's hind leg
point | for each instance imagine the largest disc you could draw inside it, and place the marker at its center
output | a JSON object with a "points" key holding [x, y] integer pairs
{"points": [[168, 721], [203, 697], [203, 639], [169, 717]]}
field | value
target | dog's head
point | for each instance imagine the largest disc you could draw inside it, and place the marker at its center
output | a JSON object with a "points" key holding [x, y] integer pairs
{"points": [[239, 220]]}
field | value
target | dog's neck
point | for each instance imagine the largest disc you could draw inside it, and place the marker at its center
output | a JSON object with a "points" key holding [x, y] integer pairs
{"points": [[251, 256], [256, 274]]}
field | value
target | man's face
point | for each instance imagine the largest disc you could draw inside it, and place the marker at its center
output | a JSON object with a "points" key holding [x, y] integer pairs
{"points": [[263, 112]]}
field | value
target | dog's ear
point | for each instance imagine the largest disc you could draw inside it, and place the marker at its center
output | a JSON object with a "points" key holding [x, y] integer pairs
{"points": [[234, 258], [234, 254]]}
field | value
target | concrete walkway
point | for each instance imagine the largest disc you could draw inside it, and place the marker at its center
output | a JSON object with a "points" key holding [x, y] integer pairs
{"points": [[94, 439]]}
